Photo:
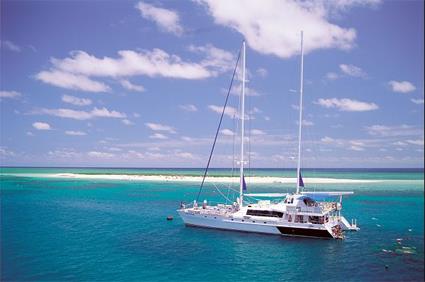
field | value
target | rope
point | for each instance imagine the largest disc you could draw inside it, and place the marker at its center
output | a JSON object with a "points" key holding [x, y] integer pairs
{"points": [[218, 128]]}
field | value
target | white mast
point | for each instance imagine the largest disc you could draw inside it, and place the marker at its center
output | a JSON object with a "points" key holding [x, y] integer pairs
{"points": [[301, 116], [242, 117]]}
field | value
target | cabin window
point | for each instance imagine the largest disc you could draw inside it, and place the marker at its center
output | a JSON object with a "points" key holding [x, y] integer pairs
{"points": [[316, 219], [299, 218], [309, 202], [264, 213]]}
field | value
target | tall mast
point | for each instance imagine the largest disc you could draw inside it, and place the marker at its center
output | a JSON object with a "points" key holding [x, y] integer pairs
{"points": [[301, 115], [242, 117]]}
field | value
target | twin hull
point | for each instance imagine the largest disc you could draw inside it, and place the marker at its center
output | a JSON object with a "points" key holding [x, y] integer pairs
{"points": [[225, 223]]}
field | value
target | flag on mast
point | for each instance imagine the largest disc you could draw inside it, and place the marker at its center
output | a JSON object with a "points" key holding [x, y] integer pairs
{"points": [[243, 183], [300, 181]]}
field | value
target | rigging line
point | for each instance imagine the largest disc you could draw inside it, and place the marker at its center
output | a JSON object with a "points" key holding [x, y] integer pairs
{"points": [[218, 128], [221, 193]]}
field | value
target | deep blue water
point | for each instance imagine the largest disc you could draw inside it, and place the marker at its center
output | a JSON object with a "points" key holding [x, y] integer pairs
{"points": [[59, 229]]}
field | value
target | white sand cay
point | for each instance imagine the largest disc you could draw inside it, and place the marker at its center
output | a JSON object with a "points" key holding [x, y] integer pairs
{"points": [[182, 178]]}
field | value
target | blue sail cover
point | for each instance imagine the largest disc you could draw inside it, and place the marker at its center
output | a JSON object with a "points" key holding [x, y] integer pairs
{"points": [[243, 183], [300, 182]]}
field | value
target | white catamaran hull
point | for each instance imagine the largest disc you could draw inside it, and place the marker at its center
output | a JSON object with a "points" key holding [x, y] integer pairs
{"points": [[226, 223]]}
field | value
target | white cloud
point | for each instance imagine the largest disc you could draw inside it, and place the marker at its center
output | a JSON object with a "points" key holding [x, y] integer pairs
{"points": [[127, 122], [271, 27], [332, 76], [306, 122], [9, 94], [155, 63], [230, 111], [227, 132], [417, 101], [419, 142], [132, 87], [185, 155], [136, 115], [100, 155], [357, 143], [167, 20], [257, 132], [76, 71], [41, 126], [158, 136], [327, 140], [189, 108], [81, 115], [75, 133], [352, 70], [392, 131], [10, 46], [399, 143], [262, 72], [71, 81], [160, 127], [356, 148], [401, 86], [29, 133], [76, 101], [5, 152], [347, 105], [218, 60], [237, 90]]}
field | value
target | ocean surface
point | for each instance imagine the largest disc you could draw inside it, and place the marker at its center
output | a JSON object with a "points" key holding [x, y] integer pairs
{"points": [[104, 230]]}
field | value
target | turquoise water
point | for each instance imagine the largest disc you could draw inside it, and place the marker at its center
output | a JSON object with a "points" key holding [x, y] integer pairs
{"points": [[69, 229]]}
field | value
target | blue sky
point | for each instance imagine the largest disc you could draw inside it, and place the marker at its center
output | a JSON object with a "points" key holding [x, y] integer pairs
{"points": [[140, 84]]}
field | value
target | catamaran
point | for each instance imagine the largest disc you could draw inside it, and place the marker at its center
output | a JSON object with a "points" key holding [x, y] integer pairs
{"points": [[297, 214]]}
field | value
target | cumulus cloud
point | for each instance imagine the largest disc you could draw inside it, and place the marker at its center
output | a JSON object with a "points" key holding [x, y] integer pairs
{"points": [[9, 94], [230, 111], [75, 133], [71, 81], [160, 127], [271, 27], [127, 122], [257, 132], [327, 140], [158, 136], [352, 70], [132, 87], [167, 20], [401, 86], [81, 115], [347, 105], [356, 148], [76, 101], [189, 108], [227, 132], [217, 59], [41, 126]]}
